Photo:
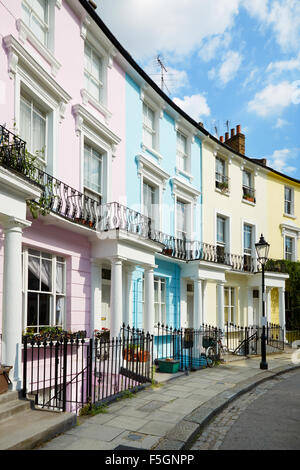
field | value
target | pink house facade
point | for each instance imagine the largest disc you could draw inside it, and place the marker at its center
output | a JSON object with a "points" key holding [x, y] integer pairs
{"points": [[64, 94]]}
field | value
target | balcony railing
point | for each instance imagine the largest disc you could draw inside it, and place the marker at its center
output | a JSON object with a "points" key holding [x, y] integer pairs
{"points": [[222, 182], [69, 203], [249, 194]]}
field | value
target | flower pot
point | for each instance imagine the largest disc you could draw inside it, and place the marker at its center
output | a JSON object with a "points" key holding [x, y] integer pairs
{"points": [[143, 356], [4, 378], [168, 366], [130, 355]]}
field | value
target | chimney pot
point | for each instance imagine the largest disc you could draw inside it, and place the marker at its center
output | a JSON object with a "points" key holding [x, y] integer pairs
{"points": [[93, 4], [222, 139], [226, 136], [238, 129], [232, 132]]}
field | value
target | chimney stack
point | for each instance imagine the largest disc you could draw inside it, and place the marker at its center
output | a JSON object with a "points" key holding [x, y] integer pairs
{"points": [[236, 141]]}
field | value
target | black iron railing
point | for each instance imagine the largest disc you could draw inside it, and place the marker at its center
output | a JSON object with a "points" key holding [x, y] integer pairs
{"points": [[185, 345], [245, 341], [68, 373], [249, 194], [222, 182]]}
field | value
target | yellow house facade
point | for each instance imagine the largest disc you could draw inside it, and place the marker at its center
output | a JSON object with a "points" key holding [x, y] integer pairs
{"points": [[236, 205], [283, 215]]}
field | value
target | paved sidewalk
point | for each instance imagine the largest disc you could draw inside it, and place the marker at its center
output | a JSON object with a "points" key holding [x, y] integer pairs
{"points": [[169, 416]]}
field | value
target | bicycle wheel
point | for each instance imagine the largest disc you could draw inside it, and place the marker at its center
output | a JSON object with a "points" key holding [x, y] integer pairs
{"points": [[211, 356]]}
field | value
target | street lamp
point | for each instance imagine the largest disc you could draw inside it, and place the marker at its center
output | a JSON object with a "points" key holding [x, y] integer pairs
{"points": [[262, 250]]}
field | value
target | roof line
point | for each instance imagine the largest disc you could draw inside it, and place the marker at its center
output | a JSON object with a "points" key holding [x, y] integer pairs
{"points": [[92, 12]]}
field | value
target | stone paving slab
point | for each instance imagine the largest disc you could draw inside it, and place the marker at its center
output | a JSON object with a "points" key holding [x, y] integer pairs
{"points": [[167, 417]]}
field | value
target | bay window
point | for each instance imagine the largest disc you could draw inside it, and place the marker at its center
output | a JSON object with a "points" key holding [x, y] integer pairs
{"points": [[44, 290]]}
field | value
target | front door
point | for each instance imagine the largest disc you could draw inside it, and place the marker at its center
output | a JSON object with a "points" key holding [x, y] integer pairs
{"points": [[105, 310]]}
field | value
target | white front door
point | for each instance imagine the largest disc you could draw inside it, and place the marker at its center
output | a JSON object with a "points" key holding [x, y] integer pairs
{"points": [[105, 310]]}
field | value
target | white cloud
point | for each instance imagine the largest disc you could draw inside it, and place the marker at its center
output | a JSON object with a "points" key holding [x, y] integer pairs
{"points": [[228, 69], [284, 65], [210, 47], [195, 106], [279, 160], [273, 99], [280, 123], [283, 16], [178, 26]]}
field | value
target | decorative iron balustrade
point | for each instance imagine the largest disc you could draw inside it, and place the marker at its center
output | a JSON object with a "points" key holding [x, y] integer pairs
{"points": [[115, 216], [249, 194], [12, 150]]}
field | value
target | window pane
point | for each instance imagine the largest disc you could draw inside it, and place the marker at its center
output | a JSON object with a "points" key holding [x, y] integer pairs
{"points": [[247, 179], [25, 121], [220, 230], [92, 169], [60, 311], [46, 275], [39, 133], [32, 309], [33, 273], [44, 309], [248, 239], [220, 166], [60, 278]]}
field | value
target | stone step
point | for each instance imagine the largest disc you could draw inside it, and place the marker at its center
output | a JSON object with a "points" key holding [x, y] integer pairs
{"points": [[7, 409], [8, 396], [31, 428]]}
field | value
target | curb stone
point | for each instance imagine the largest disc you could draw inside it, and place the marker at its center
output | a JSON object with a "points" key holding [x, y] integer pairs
{"points": [[187, 429]]}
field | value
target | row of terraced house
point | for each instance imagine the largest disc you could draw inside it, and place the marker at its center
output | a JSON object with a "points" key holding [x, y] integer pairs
{"points": [[146, 217]]}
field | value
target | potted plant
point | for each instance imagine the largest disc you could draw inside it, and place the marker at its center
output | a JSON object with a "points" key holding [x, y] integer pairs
{"points": [[170, 366], [143, 356], [130, 353], [4, 378], [103, 334]]}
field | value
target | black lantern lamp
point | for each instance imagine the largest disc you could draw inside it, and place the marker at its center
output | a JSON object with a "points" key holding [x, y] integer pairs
{"points": [[262, 250]]}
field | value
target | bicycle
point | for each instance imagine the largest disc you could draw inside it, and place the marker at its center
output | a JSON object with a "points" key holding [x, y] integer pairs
{"points": [[211, 347]]}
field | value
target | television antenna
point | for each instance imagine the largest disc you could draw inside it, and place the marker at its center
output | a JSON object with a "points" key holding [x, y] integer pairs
{"points": [[163, 70]]}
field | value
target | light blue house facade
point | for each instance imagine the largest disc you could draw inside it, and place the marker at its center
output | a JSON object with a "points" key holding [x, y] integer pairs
{"points": [[163, 182]]}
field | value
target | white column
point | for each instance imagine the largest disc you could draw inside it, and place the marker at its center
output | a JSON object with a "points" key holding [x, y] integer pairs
{"points": [[12, 299], [250, 308], [220, 297], [268, 304], [128, 320], [96, 281], [204, 303], [198, 313], [281, 307], [149, 299], [116, 298]]}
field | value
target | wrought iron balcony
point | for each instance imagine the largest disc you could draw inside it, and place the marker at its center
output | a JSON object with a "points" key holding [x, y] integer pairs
{"points": [[249, 194], [222, 182]]}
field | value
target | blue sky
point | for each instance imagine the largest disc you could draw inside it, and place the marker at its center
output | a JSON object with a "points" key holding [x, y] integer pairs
{"points": [[227, 60]]}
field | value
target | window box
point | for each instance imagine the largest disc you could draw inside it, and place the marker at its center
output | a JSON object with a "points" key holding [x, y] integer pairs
{"points": [[170, 366]]}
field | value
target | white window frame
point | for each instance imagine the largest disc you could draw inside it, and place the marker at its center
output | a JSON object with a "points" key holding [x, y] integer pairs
{"points": [[292, 231], [223, 176], [149, 171], [94, 133], [160, 306], [227, 217], [53, 294], [94, 53], [157, 107], [102, 52], [289, 201], [231, 304], [185, 156], [92, 192], [34, 107], [292, 254], [188, 195], [43, 25], [45, 50]]}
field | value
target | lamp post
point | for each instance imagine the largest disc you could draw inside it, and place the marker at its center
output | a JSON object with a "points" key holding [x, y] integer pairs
{"points": [[262, 250]]}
